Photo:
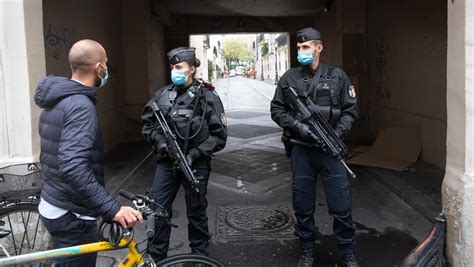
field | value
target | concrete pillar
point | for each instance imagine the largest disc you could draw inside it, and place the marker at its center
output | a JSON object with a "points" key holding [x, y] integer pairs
{"points": [[22, 65], [458, 185]]}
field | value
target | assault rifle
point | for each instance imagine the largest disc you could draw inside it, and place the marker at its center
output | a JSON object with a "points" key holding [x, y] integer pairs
{"points": [[175, 150], [321, 131]]}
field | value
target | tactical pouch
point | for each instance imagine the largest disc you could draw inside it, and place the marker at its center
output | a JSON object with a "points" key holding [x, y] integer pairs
{"points": [[335, 115], [325, 111], [331, 114]]}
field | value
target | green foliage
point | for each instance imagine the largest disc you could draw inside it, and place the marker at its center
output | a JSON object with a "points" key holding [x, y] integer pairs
{"points": [[210, 69], [264, 48], [236, 50]]}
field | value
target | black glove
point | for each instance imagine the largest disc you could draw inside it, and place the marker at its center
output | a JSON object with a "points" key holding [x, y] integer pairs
{"points": [[193, 155], [162, 147], [303, 130], [338, 132]]}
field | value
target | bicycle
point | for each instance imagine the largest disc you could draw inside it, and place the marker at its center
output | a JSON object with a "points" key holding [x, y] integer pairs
{"points": [[113, 237], [21, 230]]}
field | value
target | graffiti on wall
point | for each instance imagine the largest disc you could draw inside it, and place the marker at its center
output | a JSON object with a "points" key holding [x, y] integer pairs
{"points": [[381, 76], [58, 41]]}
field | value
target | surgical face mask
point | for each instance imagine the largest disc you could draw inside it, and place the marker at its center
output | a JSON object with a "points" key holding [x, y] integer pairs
{"points": [[103, 80], [178, 77], [306, 57]]}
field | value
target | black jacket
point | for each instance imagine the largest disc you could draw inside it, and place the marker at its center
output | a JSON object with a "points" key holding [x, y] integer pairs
{"points": [[208, 138], [71, 148], [334, 91]]}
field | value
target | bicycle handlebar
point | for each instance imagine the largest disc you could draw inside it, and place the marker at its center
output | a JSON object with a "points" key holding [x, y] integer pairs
{"points": [[150, 226], [127, 195], [142, 203]]}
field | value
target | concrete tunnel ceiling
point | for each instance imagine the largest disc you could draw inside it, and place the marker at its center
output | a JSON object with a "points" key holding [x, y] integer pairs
{"points": [[261, 8]]}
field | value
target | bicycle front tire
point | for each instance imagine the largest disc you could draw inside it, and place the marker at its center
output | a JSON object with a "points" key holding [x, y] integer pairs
{"points": [[186, 259]]}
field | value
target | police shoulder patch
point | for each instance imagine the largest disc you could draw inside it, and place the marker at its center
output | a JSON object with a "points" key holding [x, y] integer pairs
{"points": [[223, 119], [352, 92], [208, 86]]}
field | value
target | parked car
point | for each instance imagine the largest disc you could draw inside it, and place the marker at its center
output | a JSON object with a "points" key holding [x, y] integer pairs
{"points": [[239, 71]]}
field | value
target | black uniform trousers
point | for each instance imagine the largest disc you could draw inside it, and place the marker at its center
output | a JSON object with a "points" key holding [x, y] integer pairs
{"points": [[306, 164], [165, 187]]}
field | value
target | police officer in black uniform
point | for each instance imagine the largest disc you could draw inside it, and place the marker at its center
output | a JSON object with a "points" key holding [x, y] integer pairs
{"points": [[195, 113], [331, 90]]}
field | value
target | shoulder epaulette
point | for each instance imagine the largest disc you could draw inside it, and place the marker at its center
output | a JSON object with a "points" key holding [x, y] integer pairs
{"points": [[208, 86]]}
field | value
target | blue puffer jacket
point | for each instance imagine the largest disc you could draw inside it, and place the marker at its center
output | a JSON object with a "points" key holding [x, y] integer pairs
{"points": [[71, 148]]}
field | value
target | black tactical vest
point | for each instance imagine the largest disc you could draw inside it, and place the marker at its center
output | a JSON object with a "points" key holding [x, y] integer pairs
{"points": [[185, 114], [326, 94]]}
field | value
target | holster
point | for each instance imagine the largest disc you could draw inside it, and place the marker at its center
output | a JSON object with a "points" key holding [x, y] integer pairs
{"points": [[286, 140]]}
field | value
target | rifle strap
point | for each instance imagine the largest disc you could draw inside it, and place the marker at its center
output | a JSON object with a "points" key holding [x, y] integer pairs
{"points": [[190, 121], [315, 81]]}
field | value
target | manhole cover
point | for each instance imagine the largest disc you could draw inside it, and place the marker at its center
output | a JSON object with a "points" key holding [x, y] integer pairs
{"points": [[254, 222], [258, 219]]}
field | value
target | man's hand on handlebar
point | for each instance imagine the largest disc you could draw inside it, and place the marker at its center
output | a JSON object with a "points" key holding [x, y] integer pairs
{"points": [[127, 217]]}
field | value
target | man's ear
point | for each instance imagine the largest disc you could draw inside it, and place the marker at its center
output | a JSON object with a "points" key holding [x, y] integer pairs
{"points": [[319, 48], [96, 68]]}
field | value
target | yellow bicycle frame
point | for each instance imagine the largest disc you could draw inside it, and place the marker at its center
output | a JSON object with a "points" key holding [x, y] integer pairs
{"points": [[133, 257]]}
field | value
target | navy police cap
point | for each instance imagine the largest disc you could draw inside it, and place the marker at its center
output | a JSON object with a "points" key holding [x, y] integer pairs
{"points": [[308, 34], [181, 54]]}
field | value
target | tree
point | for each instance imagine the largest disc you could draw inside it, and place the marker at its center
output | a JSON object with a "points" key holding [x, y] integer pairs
{"points": [[236, 51], [264, 49]]}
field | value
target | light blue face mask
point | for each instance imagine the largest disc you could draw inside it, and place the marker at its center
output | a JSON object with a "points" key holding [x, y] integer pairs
{"points": [[178, 77], [306, 57], [103, 80]]}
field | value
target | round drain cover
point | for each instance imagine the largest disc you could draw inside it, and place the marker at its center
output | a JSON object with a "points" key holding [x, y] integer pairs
{"points": [[258, 220]]}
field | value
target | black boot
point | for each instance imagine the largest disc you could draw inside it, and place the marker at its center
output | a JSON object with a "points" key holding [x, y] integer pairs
{"points": [[349, 260], [306, 258]]}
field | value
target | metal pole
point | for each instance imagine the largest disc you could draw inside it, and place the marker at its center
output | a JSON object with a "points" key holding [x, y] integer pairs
{"points": [[276, 63]]}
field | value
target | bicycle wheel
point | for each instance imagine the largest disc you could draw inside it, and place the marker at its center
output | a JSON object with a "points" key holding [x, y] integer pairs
{"points": [[190, 260], [27, 232]]}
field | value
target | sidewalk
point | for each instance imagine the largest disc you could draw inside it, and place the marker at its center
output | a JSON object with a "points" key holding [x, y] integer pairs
{"points": [[420, 188], [266, 87]]}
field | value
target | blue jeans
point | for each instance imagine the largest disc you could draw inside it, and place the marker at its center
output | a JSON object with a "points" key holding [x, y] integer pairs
{"points": [[165, 187], [306, 164], [68, 230]]}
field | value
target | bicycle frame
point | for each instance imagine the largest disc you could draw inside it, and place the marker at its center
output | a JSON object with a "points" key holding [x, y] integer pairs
{"points": [[132, 258], [126, 239]]}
